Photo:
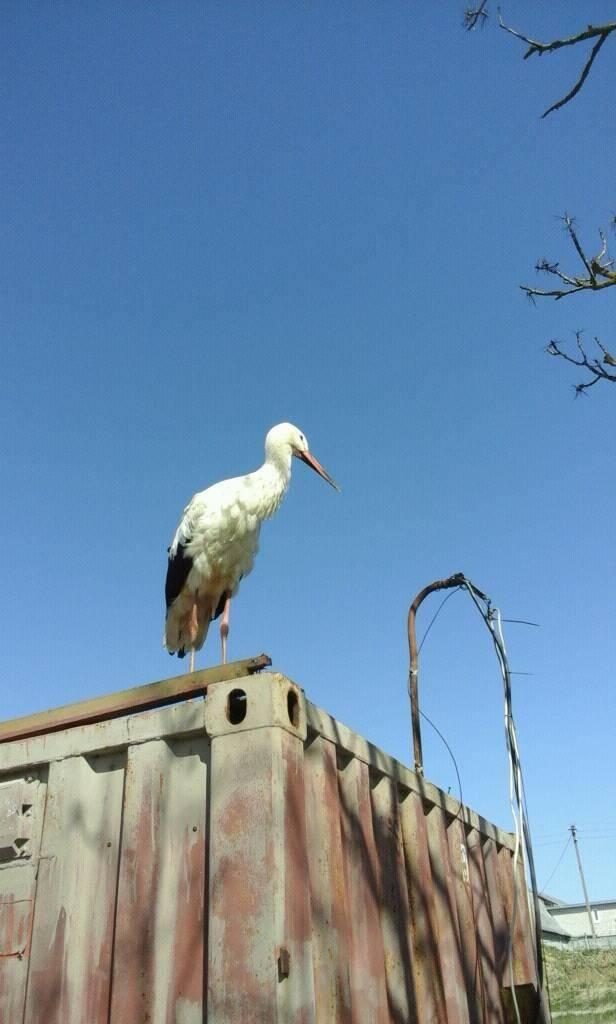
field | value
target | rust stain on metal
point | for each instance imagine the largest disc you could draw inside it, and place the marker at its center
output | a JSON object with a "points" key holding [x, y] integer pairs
{"points": [[15, 926], [363, 882], [298, 924], [331, 935], [425, 958], [133, 967], [48, 991], [71, 937], [394, 908], [526, 945], [242, 964], [187, 981], [449, 947], [471, 968], [251, 876], [523, 963], [499, 923], [485, 930]]}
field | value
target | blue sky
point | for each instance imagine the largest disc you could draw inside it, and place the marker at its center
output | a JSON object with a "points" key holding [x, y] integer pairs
{"points": [[220, 216]]}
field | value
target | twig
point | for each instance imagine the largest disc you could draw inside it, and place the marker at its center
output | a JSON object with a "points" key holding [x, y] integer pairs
{"points": [[474, 16], [580, 82], [599, 268], [534, 46], [598, 32], [578, 248], [592, 366]]}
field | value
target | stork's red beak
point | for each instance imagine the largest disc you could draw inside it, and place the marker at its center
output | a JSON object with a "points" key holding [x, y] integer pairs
{"points": [[318, 468]]}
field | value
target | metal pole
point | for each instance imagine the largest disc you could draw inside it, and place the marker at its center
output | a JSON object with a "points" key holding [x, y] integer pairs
{"points": [[572, 830], [451, 581]]}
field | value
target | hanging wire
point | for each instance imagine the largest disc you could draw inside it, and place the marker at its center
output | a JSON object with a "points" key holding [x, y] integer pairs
{"points": [[517, 796], [451, 754], [557, 865], [523, 622], [433, 620]]}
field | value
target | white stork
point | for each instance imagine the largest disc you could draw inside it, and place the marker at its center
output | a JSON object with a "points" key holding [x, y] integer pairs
{"points": [[217, 539]]}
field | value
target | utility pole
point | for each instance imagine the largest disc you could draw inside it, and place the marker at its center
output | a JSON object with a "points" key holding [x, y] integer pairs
{"points": [[573, 832]]}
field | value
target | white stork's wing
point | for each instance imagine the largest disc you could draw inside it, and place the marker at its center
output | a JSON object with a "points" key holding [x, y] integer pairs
{"points": [[209, 516], [180, 562]]}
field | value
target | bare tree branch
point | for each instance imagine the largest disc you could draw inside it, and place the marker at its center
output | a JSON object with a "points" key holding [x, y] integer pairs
{"points": [[474, 16], [598, 32], [534, 46], [599, 269], [592, 366], [607, 356], [578, 248], [580, 82]]}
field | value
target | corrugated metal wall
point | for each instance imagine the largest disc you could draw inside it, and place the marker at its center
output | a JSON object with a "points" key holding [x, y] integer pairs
{"points": [[247, 859]]}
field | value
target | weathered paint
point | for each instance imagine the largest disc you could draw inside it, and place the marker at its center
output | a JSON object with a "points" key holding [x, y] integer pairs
{"points": [[471, 967], [159, 936], [363, 894], [331, 933], [22, 801], [426, 964], [490, 979], [447, 926], [395, 920], [72, 937], [255, 866]]}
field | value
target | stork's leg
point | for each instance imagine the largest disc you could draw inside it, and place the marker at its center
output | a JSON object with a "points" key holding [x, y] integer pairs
{"points": [[224, 627], [193, 629]]}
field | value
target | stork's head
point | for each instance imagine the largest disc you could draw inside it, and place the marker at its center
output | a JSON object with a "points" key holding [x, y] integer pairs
{"points": [[285, 440]]}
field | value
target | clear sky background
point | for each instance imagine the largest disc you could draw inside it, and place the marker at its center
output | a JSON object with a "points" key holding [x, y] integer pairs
{"points": [[217, 216]]}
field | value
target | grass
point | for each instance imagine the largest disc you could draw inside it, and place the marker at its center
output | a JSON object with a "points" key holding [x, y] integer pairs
{"points": [[582, 985]]}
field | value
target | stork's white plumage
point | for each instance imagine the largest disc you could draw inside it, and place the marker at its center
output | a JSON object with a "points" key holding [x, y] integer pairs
{"points": [[217, 539]]}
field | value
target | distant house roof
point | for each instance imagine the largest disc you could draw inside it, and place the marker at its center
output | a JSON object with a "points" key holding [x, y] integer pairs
{"points": [[551, 901], [549, 924], [563, 907]]}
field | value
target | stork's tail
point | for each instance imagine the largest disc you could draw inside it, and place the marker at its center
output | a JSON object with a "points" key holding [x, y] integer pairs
{"points": [[185, 628]]}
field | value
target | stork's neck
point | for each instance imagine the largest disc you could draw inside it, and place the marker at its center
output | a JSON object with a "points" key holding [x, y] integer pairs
{"points": [[272, 480]]}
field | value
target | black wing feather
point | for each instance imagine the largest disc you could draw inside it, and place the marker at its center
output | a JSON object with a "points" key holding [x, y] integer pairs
{"points": [[220, 606], [178, 568]]}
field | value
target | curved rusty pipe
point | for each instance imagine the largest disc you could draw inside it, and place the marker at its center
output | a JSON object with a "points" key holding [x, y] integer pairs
{"points": [[457, 580]]}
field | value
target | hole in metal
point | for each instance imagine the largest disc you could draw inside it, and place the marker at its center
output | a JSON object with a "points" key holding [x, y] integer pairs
{"points": [[237, 706], [284, 964], [343, 758], [293, 708]]}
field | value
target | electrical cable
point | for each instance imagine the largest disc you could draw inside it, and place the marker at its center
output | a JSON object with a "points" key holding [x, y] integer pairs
{"points": [[451, 754], [435, 617], [493, 621], [523, 622], [565, 848], [517, 796], [479, 966]]}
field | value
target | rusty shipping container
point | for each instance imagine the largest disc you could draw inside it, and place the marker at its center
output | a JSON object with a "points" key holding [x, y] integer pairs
{"points": [[240, 857]]}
